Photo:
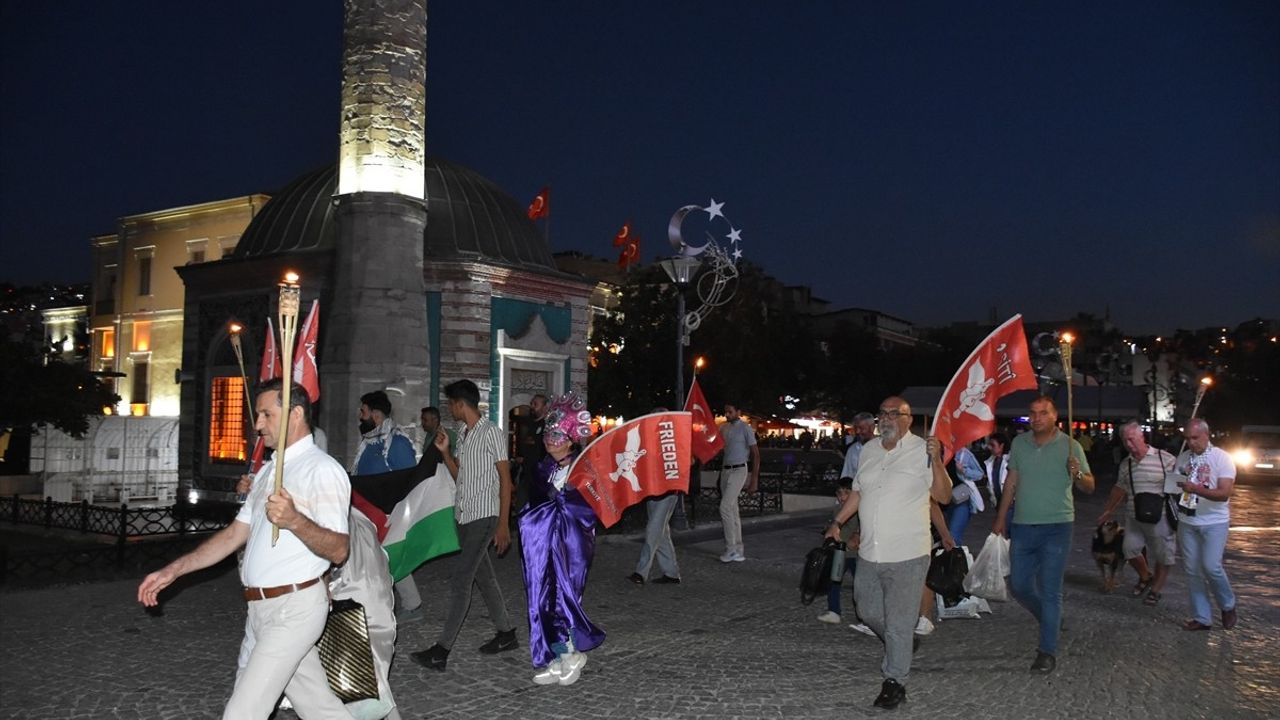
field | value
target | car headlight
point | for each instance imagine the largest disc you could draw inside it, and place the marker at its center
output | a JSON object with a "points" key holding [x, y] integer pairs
{"points": [[1243, 456]]}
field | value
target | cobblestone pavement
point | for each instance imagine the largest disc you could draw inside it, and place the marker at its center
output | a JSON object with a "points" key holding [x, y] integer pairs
{"points": [[731, 642]]}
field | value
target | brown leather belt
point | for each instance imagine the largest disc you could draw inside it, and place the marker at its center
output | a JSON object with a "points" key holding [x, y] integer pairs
{"points": [[251, 593]]}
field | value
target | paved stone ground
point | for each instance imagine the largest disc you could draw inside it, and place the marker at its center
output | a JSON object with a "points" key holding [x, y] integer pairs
{"points": [[731, 642]]}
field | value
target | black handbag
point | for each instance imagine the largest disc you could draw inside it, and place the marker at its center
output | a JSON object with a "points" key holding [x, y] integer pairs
{"points": [[946, 574], [815, 577], [1147, 507], [346, 654]]}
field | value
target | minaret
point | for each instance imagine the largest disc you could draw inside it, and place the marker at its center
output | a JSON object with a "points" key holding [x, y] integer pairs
{"points": [[375, 335]]}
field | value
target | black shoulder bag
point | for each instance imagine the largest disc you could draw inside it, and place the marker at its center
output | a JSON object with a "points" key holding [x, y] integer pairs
{"points": [[1147, 507]]}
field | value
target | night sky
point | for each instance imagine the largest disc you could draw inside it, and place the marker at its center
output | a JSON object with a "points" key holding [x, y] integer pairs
{"points": [[930, 160]]}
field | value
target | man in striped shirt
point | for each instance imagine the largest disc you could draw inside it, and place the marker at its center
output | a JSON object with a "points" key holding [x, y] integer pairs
{"points": [[482, 507]]}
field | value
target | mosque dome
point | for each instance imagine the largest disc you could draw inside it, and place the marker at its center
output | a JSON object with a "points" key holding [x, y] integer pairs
{"points": [[468, 218]]}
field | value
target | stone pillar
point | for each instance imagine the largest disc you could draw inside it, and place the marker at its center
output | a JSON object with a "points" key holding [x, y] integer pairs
{"points": [[376, 334]]}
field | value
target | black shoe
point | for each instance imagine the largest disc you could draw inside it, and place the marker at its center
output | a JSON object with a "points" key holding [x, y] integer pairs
{"points": [[636, 578], [1044, 664], [501, 642], [892, 693], [433, 658], [667, 580]]}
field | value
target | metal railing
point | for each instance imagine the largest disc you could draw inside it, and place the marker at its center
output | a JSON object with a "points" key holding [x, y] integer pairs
{"points": [[122, 522]]}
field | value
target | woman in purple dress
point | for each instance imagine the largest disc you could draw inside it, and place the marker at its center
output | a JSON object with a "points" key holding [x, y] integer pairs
{"points": [[557, 538]]}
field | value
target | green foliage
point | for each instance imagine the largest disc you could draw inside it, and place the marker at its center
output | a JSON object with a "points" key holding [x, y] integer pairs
{"points": [[58, 394]]}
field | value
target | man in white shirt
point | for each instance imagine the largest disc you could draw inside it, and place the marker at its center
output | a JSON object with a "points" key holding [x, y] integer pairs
{"points": [[284, 583], [897, 477], [1143, 471], [741, 466], [1207, 477]]}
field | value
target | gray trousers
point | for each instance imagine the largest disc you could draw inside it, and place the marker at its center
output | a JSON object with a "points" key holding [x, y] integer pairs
{"points": [[657, 538], [888, 599], [473, 567]]}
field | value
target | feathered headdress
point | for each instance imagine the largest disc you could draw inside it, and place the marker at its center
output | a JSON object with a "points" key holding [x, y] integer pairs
{"points": [[567, 418]]}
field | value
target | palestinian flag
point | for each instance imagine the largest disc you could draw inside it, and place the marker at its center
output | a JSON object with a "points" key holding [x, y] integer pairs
{"points": [[413, 511]]}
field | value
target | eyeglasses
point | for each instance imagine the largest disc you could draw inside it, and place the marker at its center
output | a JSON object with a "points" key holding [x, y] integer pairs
{"points": [[892, 414]]}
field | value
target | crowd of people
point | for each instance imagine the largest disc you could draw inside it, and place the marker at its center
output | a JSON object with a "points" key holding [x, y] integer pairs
{"points": [[897, 501]]}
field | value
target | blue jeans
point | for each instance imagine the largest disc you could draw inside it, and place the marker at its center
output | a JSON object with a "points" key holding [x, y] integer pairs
{"points": [[1038, 556], [957, 516], [1202, 547], [833, 594]]}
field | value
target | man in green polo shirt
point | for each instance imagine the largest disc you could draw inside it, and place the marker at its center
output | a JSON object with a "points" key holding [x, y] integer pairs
{"points": [[1042, 467]]}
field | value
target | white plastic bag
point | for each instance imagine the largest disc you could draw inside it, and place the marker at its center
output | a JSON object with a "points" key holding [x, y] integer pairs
{"points": [[986, 575]]}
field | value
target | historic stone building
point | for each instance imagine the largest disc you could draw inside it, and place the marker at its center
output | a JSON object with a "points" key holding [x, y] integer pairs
{"points": [[426, 273]]}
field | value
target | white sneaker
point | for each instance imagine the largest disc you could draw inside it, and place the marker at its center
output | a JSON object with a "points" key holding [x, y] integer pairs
{"points": [[862, 628], [830, 617], [730, 556], [923, 626], [739, 557], [549, 675], [571, 667]]}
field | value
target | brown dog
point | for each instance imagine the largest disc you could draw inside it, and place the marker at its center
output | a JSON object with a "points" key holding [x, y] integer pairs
{"points": [[1108, 552]]}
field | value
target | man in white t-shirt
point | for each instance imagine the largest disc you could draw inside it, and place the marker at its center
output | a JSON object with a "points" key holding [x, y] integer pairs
{"points": [[1207, 476], [284, 582], [897, 477]]}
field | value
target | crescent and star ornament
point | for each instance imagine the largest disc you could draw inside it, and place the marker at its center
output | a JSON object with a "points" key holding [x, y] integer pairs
{"points": [[717, 284]]}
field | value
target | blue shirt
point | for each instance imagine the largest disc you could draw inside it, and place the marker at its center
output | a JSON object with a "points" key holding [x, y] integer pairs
{"points": [[401, 456]]}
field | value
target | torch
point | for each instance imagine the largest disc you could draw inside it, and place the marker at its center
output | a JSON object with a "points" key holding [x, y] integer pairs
{"points": [[1064, 348], [288, 318], [235, 328]]}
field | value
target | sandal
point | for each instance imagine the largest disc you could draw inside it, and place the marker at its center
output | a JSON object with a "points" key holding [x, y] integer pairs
{"points": [[1151, 599], [1143, 584]]}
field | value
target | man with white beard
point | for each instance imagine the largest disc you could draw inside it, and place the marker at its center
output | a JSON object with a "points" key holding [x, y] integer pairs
{"points": [[897, 478]]}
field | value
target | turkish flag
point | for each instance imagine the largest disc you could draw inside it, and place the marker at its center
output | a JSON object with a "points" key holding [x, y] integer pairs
{"points": [[623, 235], [541, 205], [258, 456], [305, 372], [630, 253], [270, 366], [998, 366], [707, 441], [642, 457]]}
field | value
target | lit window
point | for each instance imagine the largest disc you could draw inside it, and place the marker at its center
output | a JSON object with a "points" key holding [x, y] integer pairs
{"points": [[108, 343], [226, 420], [141, 336]]}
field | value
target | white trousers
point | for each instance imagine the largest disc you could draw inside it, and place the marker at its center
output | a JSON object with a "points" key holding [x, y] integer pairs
{"points": [[734, 480], [278, 655]]}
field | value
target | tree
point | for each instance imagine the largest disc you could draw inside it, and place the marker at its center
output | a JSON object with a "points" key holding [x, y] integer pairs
{"points": [[58, 394]]}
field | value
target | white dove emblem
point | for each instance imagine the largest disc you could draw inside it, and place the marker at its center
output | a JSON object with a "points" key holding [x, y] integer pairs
{"points": [[971, 397], [628, 458]]}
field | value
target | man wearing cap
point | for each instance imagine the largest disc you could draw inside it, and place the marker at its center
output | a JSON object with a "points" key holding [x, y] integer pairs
{"points": [[284, 583]]}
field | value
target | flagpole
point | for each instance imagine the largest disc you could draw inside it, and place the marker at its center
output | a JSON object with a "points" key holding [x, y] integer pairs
{"points": [[288, 317]]}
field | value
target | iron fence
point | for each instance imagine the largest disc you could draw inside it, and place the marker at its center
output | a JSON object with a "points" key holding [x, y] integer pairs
{"points": [[123, 522], [90, 563]]}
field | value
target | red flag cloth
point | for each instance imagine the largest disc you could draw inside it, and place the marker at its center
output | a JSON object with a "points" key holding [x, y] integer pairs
{"points": [[623, 235], [642, 457], [270, 366], [706, 439], [630, 253], [305, 372], [541, 205], [998, 366]]}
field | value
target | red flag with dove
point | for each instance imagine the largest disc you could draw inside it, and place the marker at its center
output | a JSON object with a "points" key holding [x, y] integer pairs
{"points": [[647, 456], [305, 372], [998, 366], [706, 439]]}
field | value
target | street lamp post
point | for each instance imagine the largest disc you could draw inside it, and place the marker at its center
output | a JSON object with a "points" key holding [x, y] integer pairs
{"points": [[681, 270]]}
